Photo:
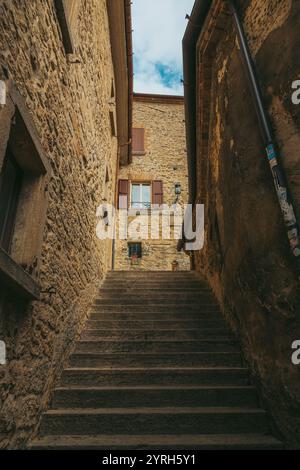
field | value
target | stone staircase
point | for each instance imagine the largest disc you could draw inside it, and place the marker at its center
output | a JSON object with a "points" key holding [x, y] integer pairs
{"points": [[156, 368]]}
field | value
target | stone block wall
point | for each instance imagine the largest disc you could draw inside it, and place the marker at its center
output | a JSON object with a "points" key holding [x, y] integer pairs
{"points": [[246, 255], [68, 99], [165, 160]]}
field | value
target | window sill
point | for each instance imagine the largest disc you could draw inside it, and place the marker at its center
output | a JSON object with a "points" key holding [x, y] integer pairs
{"points": [[138, 154], [16, 280], [141, 211]]}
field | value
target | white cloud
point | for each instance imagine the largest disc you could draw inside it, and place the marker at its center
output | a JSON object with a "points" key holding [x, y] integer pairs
{"points": [[159, 27]]}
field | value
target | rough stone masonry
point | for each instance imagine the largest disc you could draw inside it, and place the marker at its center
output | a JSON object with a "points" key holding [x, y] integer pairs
{"points": [[246, 255], [68, 99]]}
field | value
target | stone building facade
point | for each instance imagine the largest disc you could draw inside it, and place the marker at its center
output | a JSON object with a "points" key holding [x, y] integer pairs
{"points": [[158, 167], [246, 255], [60, 141]]}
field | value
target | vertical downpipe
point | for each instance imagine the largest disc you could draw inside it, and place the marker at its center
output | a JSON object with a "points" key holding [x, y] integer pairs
{"points": [[286, 205]]}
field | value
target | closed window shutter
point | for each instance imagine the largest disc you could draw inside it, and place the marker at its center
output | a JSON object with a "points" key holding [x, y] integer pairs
{"points": [[138, 141], [157, 192], [123, 194]]}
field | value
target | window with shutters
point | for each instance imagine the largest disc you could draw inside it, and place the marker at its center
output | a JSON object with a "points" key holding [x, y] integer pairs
{"points": [[141, 195], [67, 13], [138, 141]]}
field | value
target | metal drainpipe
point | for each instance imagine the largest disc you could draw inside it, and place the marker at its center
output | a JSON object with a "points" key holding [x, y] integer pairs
{"points": [[278, 174]]}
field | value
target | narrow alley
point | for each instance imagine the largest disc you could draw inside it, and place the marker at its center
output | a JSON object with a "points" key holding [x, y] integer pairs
{"points": [[149, 225]]}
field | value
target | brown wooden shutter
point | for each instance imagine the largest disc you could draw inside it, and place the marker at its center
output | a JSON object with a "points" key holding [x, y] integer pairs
{"points": [[157, 192], [123, 194], [138, 141]]}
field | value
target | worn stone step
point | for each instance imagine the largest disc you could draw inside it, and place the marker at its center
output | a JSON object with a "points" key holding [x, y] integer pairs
{"points": [[207, 345], [159, 308], [164, 316], [157, 442], [176, 359], [154, 396], [113, 325], [145, 334], [155, 376], [169, 420], [164, 285], [170, 301], [152, 274], [135, 289], [171, 315]]}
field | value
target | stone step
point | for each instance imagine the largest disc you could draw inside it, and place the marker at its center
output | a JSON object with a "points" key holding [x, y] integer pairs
{"points": [[167, 317], [154, 396], [207, 345], [156, 376], [176, 359], [174, 325], [159, 308], [191, 285], [157, 442], [169, 420], [171, 301], [174, 314], [133, 289], [153, 274], [145, 334]]}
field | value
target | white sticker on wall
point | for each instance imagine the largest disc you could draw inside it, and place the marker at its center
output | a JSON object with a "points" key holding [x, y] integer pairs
{"points": [[2, 353], [2, 92]]}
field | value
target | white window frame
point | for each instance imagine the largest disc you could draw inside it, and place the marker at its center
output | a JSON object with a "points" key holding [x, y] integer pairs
{"points": [[140, 202]]}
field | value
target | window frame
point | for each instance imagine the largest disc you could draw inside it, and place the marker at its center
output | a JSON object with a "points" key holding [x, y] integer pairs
{"points": [[19, 269], [140, 251], [141, 184], [7, 229]]}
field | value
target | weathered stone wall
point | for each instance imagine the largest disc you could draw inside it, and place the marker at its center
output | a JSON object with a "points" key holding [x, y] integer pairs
{"points": [[68, 99], [246, 255], [165, 160]]}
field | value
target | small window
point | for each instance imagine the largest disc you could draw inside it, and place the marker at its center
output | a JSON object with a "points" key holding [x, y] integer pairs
{"points": [[138, 141], [141, 195], [112, 123], [10, 186], [135, 250], [112, 91]]}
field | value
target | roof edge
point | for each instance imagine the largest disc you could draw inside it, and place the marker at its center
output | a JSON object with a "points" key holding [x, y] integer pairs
{"points": [[157, 98]]}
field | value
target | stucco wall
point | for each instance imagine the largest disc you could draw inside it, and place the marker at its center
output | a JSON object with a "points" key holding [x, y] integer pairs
{"points": [[68, 100], [246, 255], [165, 160]]}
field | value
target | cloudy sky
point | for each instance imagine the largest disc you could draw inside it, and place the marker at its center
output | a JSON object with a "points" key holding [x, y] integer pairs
{"points": [[159, 27]]}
